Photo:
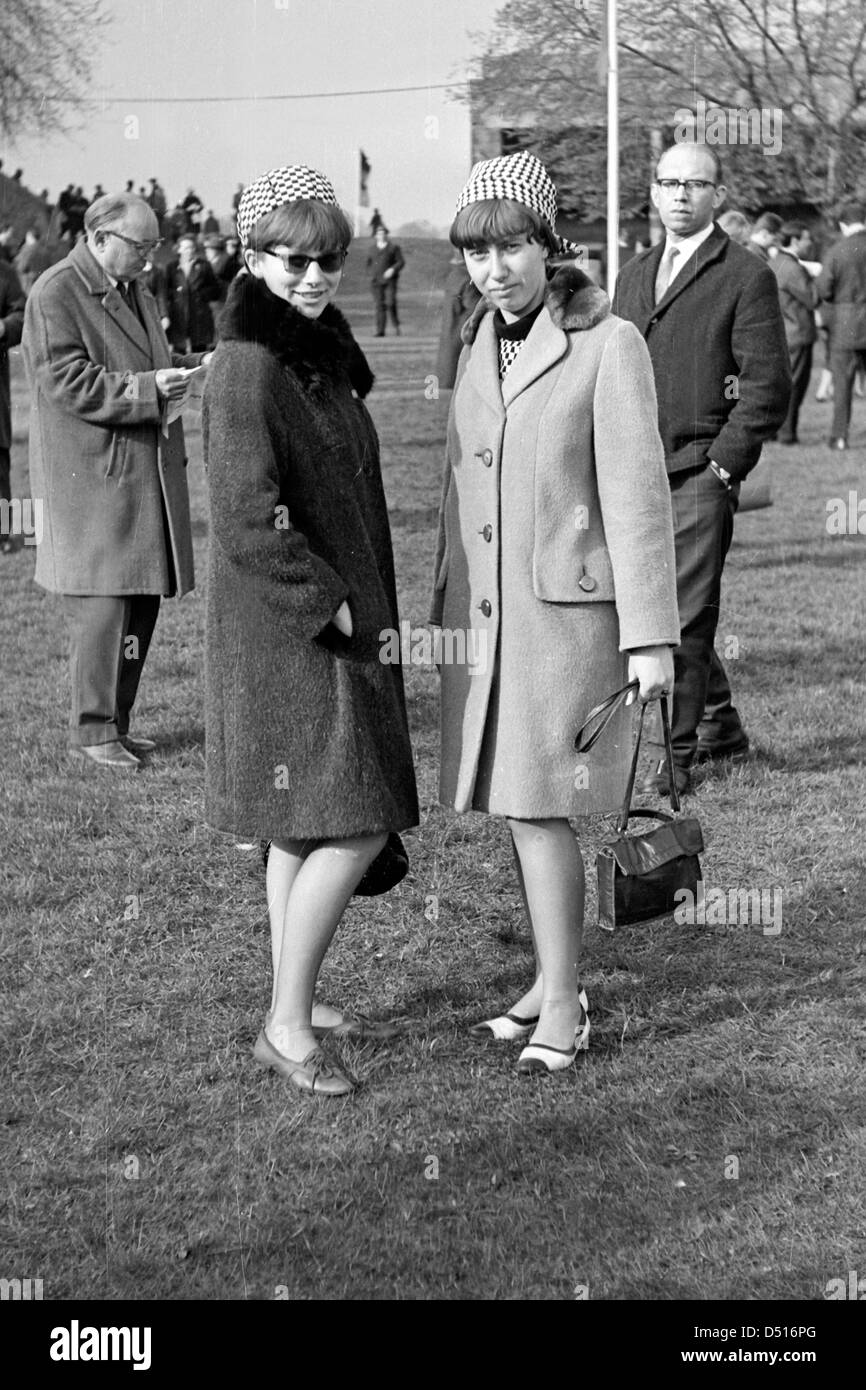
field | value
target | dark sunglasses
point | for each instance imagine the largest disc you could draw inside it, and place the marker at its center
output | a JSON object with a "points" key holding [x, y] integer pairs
{"points": [[329, 261]]}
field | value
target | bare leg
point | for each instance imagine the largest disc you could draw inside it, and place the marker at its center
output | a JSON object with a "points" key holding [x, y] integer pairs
{"points": [[529, 1004], [553, 877], [318, 880], [284, 864]]}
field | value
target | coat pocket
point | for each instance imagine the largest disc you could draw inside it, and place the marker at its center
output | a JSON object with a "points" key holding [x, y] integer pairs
{"points": [[566, 571], [117, 456]]}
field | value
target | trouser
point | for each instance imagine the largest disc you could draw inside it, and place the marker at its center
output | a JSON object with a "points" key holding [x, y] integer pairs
{"points": [[386, 305], [844, 363], [5, 475], [801, 370], [108, 643], [703, 514]]}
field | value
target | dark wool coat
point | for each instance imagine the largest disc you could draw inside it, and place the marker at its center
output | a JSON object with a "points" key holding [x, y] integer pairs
{"points": [[307, 735], [718, 349], [555, 554], [114, 486], [798, 297], [842, 283], [12, 314]]}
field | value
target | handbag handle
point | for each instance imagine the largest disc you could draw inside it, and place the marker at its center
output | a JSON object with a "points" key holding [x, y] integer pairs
{"points": [[608, 708], [611, 704], [622, 822]]}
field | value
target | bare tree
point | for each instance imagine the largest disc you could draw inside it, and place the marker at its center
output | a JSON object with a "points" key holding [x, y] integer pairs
{"points": [[46, 56], [805, 58]]}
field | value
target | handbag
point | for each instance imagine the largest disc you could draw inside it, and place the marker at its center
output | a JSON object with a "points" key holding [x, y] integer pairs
{"points": [[640, 876], [389, 868]]}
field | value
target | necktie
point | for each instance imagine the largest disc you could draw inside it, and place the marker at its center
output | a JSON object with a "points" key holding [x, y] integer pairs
{"points": [[666, 270]]}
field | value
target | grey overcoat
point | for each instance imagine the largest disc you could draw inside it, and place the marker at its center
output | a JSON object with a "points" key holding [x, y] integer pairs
{"points": [[99, 461]]}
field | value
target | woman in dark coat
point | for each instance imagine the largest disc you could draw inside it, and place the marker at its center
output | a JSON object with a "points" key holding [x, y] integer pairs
{"points": [[556, 557], [307, 738]]}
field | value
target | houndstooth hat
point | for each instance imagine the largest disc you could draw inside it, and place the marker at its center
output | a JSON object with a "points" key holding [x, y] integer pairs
{"points": [[520, 176], [279, 186]]}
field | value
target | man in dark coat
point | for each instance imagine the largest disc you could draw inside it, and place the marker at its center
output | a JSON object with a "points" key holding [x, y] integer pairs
{"points": [[798, 297], [194, 289], [385, 262], [842, 283], [111, 476], [710, 314], [11, 324]]}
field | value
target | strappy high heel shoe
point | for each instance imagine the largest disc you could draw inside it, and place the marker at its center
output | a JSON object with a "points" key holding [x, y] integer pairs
{"points": [[539, 1059], [505, 1028]]}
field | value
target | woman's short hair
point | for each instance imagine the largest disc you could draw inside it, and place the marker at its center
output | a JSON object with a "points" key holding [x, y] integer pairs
{"points": [[307, 225], [493, 220]]}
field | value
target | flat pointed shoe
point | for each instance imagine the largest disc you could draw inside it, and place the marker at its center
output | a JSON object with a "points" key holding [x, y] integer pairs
{"points": [[539, 1059], [505, 1028], [314, 1074], [360, 1029]]}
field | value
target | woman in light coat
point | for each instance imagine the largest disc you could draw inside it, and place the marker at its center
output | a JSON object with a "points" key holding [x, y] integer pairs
{"points": [[555, 561]]}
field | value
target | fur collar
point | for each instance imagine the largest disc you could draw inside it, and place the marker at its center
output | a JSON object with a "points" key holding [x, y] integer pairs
{"points": [[573, 301], [320, 352]]}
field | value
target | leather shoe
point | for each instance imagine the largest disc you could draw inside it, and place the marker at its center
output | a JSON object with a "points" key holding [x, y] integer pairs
{"points": [[314, 1074], [540, 1059], [657, 784], [137, 745], [735, 749], [112, 755], [838, 443]]}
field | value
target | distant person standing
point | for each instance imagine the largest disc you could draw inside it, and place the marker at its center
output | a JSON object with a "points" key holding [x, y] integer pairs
{"points": [[32, 259], [798, 298], [375, 222], [385, 262], [764, 238], [842, 284], [11, 324], [195, 288], [459, 300]]}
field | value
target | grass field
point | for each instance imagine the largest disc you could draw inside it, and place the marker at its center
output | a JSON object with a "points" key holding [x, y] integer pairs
{"points": [[711, 1146]]}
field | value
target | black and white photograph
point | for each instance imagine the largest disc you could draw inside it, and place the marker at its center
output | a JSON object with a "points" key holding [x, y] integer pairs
{"points": [[432, 599]]}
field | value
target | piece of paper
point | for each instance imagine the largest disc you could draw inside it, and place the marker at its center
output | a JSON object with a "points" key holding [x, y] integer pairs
{"points": [[191, 398]]}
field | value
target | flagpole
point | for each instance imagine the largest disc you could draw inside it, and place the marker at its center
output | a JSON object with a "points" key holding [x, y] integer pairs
{"points": [[612, 147]]}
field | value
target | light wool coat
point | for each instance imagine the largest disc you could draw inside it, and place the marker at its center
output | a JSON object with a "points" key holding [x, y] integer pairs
{"points": [[98, 459], [555, 553]]}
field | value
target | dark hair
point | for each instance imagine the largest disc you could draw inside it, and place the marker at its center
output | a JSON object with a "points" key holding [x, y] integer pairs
{"points": [[791, 231], [708, 150], [768, 222], [493, 220], [852, 212], [307, 225]]}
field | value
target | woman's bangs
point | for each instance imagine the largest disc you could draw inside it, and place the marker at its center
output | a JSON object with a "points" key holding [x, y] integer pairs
{"points": [[305, 226], [493, 220]]}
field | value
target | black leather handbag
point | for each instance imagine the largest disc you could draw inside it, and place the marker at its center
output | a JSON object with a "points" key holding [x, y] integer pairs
{"points": [[389, 868], [639, 875]]}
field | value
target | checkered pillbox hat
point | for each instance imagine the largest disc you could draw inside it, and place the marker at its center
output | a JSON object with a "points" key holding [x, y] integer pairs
{"points": [[279, 186], [522, 177]]}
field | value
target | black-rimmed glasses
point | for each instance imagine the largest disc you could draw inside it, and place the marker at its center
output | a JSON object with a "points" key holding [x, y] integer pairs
{"points": [[144, 248], [690, 185], [329, 261]]}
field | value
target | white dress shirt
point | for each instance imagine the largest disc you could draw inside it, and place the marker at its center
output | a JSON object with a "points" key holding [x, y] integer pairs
{"points": [[687, 248]]}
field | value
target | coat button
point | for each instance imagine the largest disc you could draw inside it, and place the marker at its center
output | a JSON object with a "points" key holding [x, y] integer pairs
{"points": [[487, 458], [486, 607], [487, 533], [587, 583]]}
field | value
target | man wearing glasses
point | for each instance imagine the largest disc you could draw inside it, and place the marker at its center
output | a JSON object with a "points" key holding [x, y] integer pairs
{"points": [[110, 476], [710, 314]]}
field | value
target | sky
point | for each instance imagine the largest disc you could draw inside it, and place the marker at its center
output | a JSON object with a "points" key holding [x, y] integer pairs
{"points": [[246, 50]]}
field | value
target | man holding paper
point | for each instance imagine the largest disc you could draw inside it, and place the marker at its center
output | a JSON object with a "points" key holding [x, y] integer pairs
{"points": [[107, 466]]}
